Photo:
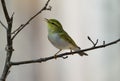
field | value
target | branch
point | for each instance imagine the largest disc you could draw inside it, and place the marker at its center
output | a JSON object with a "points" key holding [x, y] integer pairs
{"points": [[3, 24], [63, 55], [9, 47], [9, 20], [24, 25], [5, 11]]}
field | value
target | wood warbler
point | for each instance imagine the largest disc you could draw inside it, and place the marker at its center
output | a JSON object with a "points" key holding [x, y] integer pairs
{"points": [[59, 38]]}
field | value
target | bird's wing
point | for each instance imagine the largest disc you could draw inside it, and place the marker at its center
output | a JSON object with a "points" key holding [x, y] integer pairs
{"points": [[68, 38]]}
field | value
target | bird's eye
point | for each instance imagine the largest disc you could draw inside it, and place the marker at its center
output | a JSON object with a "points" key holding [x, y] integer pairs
{"points": [[52, 23]]}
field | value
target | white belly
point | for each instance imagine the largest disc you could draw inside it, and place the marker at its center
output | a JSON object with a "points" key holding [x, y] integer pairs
{"points": [[59, 42]]}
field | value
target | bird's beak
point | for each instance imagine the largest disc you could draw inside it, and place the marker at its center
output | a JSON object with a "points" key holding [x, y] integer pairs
{"points": [[46, 19]]}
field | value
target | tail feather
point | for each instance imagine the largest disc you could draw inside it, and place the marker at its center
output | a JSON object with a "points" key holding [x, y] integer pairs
{"points": [[81, 53]]}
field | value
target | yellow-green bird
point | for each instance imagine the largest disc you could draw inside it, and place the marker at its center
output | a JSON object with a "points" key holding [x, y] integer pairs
{"points": [[59, 38]]}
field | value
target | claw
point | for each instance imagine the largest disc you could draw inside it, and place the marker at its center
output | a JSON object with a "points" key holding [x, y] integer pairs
{"points": [[55, 56]]}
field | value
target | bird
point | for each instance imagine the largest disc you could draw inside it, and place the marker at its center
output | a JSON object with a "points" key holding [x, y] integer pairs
{"points": [[60, 38]]}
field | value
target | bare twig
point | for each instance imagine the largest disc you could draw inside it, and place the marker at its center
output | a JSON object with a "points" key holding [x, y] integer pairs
{"points": [[94, 43], [63, 54], [18, 29], [15, 32], [3, 24]]}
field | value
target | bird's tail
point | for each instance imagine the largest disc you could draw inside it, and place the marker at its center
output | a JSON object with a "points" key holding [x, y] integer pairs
{"points": [[81, 53]]}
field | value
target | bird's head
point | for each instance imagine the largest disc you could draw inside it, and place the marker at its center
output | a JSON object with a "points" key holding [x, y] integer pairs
{"points": [[54, 25]]}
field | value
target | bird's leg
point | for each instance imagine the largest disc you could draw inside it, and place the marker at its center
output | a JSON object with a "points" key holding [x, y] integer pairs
{"points": [[71, 50], [55, 56]]}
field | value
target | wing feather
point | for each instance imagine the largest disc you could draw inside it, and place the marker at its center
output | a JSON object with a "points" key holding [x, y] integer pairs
{"points": [[68, 38]]}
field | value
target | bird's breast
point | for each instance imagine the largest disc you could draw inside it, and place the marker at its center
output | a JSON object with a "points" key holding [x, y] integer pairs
{"points": [[58, 42]]}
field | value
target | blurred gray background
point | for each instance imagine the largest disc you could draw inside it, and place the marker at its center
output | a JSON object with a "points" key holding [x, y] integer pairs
{"points": [[98, 19]]}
